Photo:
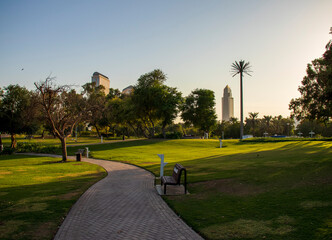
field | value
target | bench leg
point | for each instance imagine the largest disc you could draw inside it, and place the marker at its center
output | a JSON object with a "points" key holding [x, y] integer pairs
{"points": [[164, 189]]}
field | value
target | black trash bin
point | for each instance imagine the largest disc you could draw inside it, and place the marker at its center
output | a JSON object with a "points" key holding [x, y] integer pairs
{"points": [[78, 157]]}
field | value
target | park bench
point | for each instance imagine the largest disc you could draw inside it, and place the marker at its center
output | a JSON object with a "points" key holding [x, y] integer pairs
{"points": [[175, 179], [79, 154]]}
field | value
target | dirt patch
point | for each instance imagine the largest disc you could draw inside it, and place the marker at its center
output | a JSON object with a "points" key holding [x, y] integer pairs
{"points": [[43, 231], [228, 186], [5, 172], [69, 196], [29, 207], [248, 228]]}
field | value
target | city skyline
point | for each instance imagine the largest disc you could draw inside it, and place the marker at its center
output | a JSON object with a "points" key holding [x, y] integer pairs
{"points": [[194, 43]]}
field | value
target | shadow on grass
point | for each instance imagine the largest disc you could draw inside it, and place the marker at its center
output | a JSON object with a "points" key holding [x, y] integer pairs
{"points": [[116, 145], [36, 211]]}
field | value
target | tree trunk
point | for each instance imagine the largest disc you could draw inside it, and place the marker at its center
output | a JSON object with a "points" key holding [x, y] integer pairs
{"points": [[1, 146], [143, 131], [241, 92], [97, 131], [64, 149], [13, 139], [164, 131], [42, 135]]}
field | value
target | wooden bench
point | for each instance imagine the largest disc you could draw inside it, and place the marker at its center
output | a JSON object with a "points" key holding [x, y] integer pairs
{"points": [[79, 154], [175, 179]]}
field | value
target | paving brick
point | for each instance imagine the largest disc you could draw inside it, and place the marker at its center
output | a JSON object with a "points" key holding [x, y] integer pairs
{"points": [[124, 205]]}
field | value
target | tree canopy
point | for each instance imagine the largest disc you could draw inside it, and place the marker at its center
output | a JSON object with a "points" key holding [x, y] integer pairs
{"points": [[198, 109], [63, 109], [17, 107], [154, 101], [316, 90]]}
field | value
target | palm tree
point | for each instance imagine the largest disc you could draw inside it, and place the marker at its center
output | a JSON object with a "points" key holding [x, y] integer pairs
{"points": [[240, 68], [253, 117]]}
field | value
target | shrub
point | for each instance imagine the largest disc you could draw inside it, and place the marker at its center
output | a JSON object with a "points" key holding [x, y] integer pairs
{"points": [[7, 151], [36, 148]]}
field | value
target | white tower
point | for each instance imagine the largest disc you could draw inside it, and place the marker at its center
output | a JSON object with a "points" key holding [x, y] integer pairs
{"points": [[227, 104]]}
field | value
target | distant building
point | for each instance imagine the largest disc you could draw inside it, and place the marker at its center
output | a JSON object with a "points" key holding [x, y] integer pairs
{"points": [[128, 90], [227, 104], [101, 80]]}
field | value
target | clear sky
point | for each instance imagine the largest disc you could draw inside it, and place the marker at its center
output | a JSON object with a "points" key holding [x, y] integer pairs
{"points": [[193, 42]]}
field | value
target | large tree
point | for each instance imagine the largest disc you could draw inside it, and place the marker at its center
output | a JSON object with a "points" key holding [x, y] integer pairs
{"points": [[252, 122], [241, 67], [96, 105], [315, 102], [62, 108], [155, 103], [170, 100], [17, 112], [198, 109]]}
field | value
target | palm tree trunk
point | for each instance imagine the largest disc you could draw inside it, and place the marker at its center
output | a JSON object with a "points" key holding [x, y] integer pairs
{"points": [[241, 92]]}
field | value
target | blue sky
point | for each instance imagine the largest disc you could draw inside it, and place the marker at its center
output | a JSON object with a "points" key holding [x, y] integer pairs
{"points": [[193, 42]]}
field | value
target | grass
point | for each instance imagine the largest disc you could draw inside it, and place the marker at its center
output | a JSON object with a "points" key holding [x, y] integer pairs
{"points": [[246, 190], [37, 192], [56, 141]]}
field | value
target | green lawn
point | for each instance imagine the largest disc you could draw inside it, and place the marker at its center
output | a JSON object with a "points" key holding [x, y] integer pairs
{"points": [[246, 190], [56, 142], [37, 192]]}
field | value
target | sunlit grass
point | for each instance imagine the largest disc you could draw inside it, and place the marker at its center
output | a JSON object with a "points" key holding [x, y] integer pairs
{"points": [[37, 192], [245, 190]]}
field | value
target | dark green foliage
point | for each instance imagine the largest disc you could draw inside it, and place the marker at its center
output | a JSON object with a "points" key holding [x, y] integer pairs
{"points": [[155, 102], [37, 148], [17, 111], [316, 90], [7, 151], [198, 109]]}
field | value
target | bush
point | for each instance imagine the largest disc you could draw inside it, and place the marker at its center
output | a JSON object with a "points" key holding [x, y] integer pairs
{"points": [[286, 139], [174, 135], [7, 151], [36, 148]]}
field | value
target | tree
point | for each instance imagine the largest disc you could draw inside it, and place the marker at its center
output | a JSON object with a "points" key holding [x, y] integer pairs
{"points": [[170, 100], [316, 90], [17, 112], [241, 67], [155, 103], [198, 109], [252, 122], [113, 93], [62, 108], [96, 101]]}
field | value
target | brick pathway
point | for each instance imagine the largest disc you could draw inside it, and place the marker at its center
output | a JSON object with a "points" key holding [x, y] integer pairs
{"points": [[123, 205]]}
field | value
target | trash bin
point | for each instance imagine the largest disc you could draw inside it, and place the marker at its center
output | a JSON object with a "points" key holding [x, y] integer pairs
{"points": [[78, 157]]}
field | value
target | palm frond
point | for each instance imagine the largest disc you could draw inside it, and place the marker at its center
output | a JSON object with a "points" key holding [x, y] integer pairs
{"points": [[240, 67]]}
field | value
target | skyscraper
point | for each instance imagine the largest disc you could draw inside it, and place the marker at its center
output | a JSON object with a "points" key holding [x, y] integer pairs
{"points": [[227, 104], [101, 80]]}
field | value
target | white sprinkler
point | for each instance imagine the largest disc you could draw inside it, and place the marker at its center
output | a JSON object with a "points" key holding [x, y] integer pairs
{"points": [[220, 143], [87, 152], [162, 164]]}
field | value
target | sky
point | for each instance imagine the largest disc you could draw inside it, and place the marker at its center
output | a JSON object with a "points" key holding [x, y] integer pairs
{"points": [[194, 42]]}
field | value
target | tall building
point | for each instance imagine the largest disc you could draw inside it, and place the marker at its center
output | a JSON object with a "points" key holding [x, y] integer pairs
{"points": [[128, 90], [101, 80], [227, 104]]}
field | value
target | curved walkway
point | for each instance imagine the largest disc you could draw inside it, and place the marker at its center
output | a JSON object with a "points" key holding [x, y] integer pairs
{"points": [[123, 205]]}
